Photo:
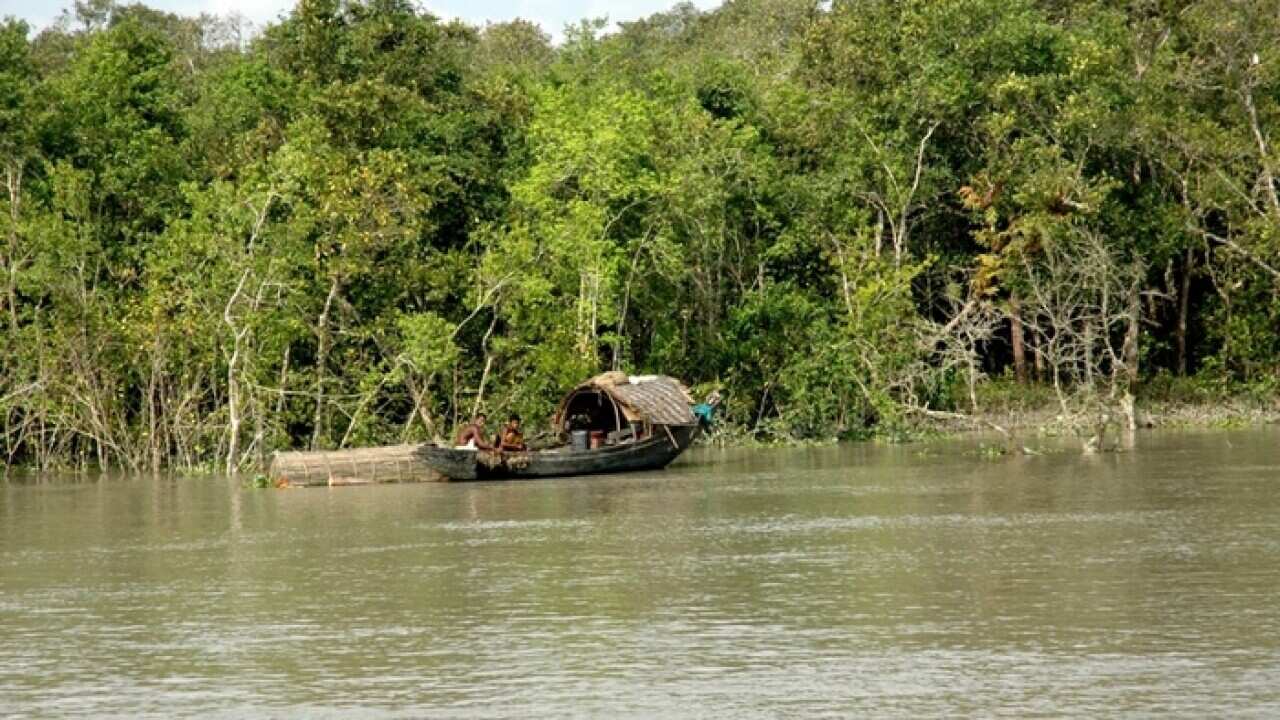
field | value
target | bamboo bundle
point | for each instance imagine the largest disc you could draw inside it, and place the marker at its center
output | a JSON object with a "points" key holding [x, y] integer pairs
{"points": [[363, 466]]}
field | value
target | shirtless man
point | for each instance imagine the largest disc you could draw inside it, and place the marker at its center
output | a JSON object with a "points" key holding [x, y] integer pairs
{"points": [[511, 439], [472, 435]]}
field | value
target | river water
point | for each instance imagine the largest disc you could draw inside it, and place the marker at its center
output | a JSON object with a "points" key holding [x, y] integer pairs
{"points": [[902, 581]]}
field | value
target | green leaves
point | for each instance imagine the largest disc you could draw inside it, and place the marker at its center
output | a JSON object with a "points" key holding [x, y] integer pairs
{"points": [[17, 88], [366, 221], [428, 343]]}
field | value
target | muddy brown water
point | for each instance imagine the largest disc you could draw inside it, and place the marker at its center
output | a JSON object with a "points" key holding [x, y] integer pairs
{"points": [[887, 581]]}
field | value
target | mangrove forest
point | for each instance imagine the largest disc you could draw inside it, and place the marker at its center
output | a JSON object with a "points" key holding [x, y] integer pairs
{"points": [[361, 223]]}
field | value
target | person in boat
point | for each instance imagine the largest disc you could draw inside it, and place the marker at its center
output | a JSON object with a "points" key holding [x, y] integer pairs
{"points": [[471, 436], [705, 411], [511, 439]]}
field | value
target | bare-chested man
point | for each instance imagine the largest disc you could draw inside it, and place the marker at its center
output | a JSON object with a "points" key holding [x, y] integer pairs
{"points": [[511, 439], [471, 436]]}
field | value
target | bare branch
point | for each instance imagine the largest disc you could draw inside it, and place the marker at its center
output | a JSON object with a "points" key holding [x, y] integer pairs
{"points": [[1235, 246]]}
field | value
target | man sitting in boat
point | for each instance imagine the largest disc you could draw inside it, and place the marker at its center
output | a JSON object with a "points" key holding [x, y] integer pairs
{"points": [[705, 411], [511, 439], [471, 437]]}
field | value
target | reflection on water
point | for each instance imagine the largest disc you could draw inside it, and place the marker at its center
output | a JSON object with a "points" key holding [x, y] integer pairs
{"points": [[888, 581]]}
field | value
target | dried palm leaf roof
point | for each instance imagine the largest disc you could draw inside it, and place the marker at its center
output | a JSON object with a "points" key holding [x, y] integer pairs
{"points": [[658, 399]]}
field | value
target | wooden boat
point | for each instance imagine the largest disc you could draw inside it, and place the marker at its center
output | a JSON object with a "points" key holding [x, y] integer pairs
{"points": [[651, 453], [647, 422]]}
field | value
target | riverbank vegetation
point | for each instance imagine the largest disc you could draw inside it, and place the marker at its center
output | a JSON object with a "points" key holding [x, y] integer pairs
{"points": [[360, 223]]}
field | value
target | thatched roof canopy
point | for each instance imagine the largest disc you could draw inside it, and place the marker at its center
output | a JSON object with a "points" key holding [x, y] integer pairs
{"points": [[658, 399]]}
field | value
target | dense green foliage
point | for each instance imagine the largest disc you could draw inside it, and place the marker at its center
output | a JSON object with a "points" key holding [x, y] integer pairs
{"points": [[363, 223]]}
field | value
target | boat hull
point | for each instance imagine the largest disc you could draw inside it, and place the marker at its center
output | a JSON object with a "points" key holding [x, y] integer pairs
{"points": [[652, 453]]}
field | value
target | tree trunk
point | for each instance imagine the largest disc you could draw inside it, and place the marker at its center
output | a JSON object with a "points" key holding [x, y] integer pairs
{"points": [[1017, 339], [322, 356], [973, 386], [259, 432], [1131, 338], [879, 231], [13, 181], [1264, 153], [153, 407], [1184, 301], [233, 386], [233, 412], [1087, 332], [488, 365], [1038, 356]]}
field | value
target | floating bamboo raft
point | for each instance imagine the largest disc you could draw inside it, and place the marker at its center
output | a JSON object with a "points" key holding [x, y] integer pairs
{"points": [[364, 466]]}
